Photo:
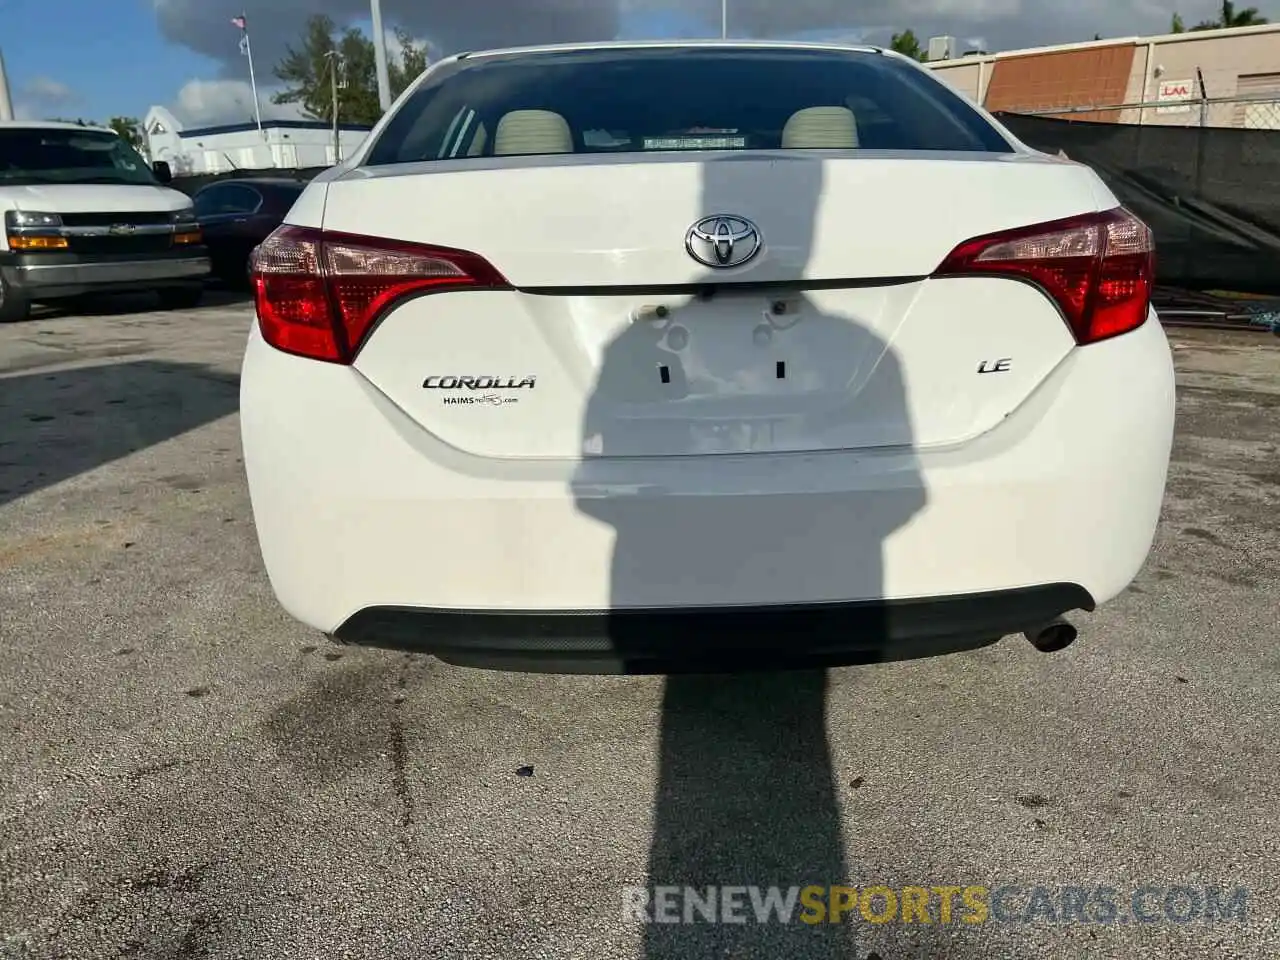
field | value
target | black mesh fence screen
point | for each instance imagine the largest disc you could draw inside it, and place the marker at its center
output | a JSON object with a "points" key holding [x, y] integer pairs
{"points": [[1210, 194]]}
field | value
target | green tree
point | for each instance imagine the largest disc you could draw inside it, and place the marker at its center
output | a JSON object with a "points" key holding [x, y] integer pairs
{"points": [[907, 44], [129, 129], [1177, 26], [413, 61], [305, 71]]}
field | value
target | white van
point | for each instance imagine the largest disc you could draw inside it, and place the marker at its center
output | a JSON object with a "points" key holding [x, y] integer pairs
{"points": [[84, 214]]}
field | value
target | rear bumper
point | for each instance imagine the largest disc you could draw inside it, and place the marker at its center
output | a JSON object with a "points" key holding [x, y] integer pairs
{"points": [[712, 640], [51, 276], [358, 509]]}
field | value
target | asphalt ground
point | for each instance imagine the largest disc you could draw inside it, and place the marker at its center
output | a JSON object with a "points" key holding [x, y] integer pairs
{"points": [[185, 772]]}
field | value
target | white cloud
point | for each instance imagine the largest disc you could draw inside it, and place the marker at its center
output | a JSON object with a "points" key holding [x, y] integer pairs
{"points": [[46, 88], [209, 102], [41, 97]]}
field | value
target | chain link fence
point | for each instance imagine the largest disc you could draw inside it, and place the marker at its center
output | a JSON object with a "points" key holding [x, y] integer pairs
{"points": [[1250, 112]]}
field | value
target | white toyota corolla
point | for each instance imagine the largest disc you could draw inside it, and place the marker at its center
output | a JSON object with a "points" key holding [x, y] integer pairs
{"points": [[702, 356]]}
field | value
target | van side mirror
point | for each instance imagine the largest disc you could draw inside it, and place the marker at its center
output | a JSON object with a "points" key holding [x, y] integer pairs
{"points": [[162, 171]]}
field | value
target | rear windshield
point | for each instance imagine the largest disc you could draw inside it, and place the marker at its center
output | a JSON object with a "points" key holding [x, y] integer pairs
{"points": [[651, 100]]}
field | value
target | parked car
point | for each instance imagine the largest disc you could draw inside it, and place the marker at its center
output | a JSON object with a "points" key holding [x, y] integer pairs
{"points": [[237, 215], [702, 356], [83, 213]]}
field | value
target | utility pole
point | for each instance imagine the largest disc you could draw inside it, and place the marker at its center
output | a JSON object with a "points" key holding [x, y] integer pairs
{"points": [[724, 19], [380, 56]]}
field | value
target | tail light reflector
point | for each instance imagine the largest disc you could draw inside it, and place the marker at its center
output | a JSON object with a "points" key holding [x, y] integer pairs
{"points": [[1098, 268], [318, 293]]}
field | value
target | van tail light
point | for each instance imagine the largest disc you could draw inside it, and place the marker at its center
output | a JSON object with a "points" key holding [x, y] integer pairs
{"points": [[1098, 268], [319, 293]]}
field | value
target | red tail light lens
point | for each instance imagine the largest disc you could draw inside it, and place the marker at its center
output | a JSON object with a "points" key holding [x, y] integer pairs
{"points": [[318, 293], [1099, 268]]}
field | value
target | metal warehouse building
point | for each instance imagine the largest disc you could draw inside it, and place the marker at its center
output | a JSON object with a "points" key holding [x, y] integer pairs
{"points": [[1218, 78], [242, 146]]}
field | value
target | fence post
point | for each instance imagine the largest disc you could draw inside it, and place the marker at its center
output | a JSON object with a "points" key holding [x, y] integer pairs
{"points": [[1202, 135], [1204, 99]]}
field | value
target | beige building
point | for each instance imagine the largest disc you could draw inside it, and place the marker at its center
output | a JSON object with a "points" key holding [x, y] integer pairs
{"points": [[1220, 78]]}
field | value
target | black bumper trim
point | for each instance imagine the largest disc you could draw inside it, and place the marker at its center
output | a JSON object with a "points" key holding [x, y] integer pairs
{"points": [[712, 640]]}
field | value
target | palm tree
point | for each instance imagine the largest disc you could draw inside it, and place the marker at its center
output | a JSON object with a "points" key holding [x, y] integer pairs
{"points": [[1229, 16]]}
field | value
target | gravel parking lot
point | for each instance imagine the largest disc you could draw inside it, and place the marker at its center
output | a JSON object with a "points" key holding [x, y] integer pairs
{"points": [[185, 772]]}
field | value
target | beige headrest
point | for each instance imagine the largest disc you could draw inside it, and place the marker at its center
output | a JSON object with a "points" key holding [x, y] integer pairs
{"points": [[821, 128], [532, 131]]}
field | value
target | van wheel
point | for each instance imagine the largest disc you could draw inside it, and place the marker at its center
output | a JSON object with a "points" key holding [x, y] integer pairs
{"points": [[13, 305], [181, 298]]}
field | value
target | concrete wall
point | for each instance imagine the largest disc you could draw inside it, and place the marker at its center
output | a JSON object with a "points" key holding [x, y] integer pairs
{"points": [[968, 75], [1232, 66]]}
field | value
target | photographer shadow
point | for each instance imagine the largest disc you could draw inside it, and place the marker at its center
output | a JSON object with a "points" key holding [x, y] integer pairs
{"points": [[746, 794]]}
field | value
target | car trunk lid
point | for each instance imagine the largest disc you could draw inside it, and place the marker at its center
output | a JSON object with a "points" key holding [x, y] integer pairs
{"points": [[613, 340]]}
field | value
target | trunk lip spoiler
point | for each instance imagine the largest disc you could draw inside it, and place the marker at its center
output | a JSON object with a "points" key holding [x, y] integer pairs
{"points": [[713, 287]]}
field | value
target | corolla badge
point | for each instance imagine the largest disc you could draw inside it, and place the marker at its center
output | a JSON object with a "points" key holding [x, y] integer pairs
{"points": [[452, 384], [723, 241]]}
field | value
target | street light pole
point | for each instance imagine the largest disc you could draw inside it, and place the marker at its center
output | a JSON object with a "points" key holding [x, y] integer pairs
{"points": [[380, 56], [6, 102], [334, 58], [724, 19]]}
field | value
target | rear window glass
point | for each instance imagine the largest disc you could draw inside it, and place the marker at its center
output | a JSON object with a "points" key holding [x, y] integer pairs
{"points": [[655, 100]]}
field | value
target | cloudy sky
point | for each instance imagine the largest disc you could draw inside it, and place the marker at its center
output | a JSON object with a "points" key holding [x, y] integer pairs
{"points": [[130, 54]]}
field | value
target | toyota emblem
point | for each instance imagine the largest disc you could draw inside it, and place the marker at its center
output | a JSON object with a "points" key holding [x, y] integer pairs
{"points": [[723, 241]]}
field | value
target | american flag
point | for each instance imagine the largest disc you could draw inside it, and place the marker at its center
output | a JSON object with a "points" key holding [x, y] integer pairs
{"points": [[240, 22]]}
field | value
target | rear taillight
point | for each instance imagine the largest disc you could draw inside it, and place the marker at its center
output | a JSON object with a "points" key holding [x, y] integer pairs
{"points": [[1098, 268], [318, 293]]}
